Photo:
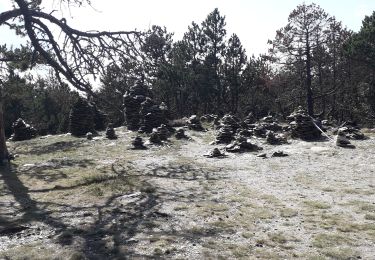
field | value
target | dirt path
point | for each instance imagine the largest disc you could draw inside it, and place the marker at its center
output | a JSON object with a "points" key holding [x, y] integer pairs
{"points": [[99, 199]]}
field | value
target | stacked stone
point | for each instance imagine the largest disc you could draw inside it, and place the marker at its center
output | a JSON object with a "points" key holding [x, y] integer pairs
{"points": [[155, 137], [302, 126], [180, 134], [152, 115], [242, 144], [273, 139], [81, 118], [132, 103], [195, 124], [225, 135], [163, 132], [249, 119], [22, 131], [227, 129], [231, 121], [138, 143], [352, 132], [110, 132]]}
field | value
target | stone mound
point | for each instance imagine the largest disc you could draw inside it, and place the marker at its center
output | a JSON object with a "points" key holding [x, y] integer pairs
{"points": [[81, 118], [195, 124], [110, 132], [302, 126], [22, 131]]}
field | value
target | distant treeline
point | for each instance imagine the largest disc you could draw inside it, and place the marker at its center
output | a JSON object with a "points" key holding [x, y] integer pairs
{"points": [[313, 61]]}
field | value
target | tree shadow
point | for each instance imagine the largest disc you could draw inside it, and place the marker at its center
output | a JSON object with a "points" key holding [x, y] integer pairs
{"points": [[114, 228], [60, 146]]}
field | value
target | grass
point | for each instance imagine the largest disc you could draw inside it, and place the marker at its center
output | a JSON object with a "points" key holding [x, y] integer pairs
{"points": [[315, 204], [331, 240]]}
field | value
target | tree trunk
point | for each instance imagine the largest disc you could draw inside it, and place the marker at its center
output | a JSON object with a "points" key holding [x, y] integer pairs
{"points": [[309, 94], [3, 146]]}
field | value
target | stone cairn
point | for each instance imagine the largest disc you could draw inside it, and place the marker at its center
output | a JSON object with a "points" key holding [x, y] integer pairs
{"points": [[81, 118], [242, 144], [163, 132], [195, 124], [152, 115], [227, 129], [155, 137], [133, 100], [302, 126], [351, 131], [110, 132], [274, 139], [215, 153], [138, 143], [180, 134], [22, 131]]}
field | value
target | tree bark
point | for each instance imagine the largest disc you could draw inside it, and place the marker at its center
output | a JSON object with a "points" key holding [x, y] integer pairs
{"points": [[3, 146], [309, 94]]}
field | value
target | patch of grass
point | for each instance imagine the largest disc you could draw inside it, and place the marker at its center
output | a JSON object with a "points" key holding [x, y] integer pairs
{"points": [[288, 213], [317, 204], [370, 216], [341, 253], [247, 235], [331, 240], [180, 208], [278, 238]]}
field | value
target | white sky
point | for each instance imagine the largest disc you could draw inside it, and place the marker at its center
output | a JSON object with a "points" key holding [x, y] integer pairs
{"points": [[254, 21]]}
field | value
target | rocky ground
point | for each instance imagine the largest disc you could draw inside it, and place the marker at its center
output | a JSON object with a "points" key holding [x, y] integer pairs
{"points": [[71, 198]]}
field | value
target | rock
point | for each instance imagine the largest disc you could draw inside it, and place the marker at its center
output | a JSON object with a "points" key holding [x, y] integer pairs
{"points": [[342, 140], [273, 139], [242, 144], [352, 132], [279, 154], [195, 124], [208, 118], [110, 132], [163, 132], [22, 131], [89, 136], [262, 155], [138, 143], [215, 153], [81, 118], [180, 134], [154, 137]]}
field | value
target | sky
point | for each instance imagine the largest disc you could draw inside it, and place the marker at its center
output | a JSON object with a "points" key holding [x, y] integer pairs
{"points": [[254, 21]]}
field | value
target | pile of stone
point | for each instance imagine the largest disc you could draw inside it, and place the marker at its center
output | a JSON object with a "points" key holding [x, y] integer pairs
{"points": [[138, 143], [152, 115], [274, 139], [302, 126], [180, 134], [155, 137], [228, 127], [22, 131], [215, 153], [133, 100], [249, 119], [352, 132], [110, 132], [81, 118], [232, 121], [163, 132], [195, 124], [242, 144], [225, 135]]}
